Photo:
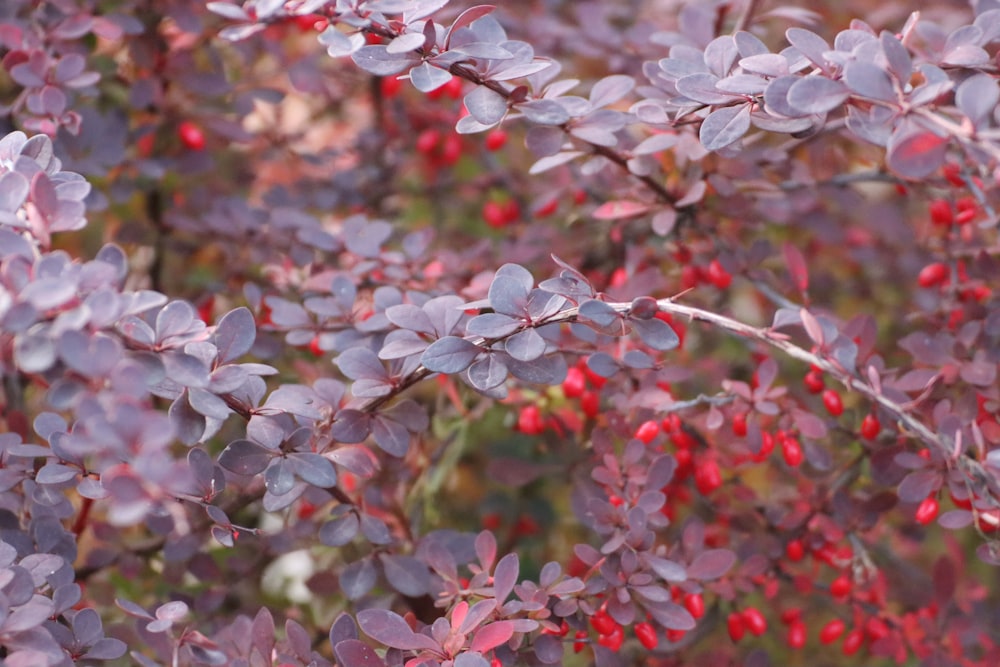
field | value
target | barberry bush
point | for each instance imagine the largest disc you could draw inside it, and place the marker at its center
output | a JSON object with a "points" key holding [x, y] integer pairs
{"points": [[383, 333]]}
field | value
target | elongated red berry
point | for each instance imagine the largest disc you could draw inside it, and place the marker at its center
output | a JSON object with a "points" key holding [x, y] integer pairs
{"points": [[927, 510], [707, 477], [575, 383], [754, 621], [735, 626], [718, 276], [603, 623], [841, 586], [191, 135], [614, 640], [647, 431], [495, 140], [832, 402], [932, 274], [796, 634], [646, 634], [791, 451], [813, 382], [832, 631], [870, 427], [853, 641], [795, 551], [695, 604]]}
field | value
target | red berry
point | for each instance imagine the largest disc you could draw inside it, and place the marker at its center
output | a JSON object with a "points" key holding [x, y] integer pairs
{"points": [[754, 621], [191, 135], [695, 604], [613, 640], [390, 86], [690, 276], [734, 623], [841, 586], [707, 477], [876, 628], [453, 88], [791, 615], [579, 645], [647, 431], [795, 551], [547, 209], [495, 140], [675, 635], [813, 382], [491, 521], [511, 211], [575, 383], [932, 274], [740, 424], [832, 402], [646, 634], [428, 140], [832, 631], [603, 623], [494, 214], [870, 427], [927, 511], [718, 276], [529, 420], [315, 348], [853, 641], [797, 634], [590, 403], [451, 149], [941, 213], [791, 450]]}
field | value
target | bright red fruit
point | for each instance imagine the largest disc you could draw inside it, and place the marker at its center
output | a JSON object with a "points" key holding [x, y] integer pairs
{"points": [[191, 135], [813, 382], [579, 645], [647, 431], [795, 551], [941, 213], [646, 634], [832, 631], [695, 604], [529, 420], [614, 640], [740, 424], [927, 511], [841, 586], [932, 274], [315, 348], [853, 641], [603, 623], [832, 402], [754, 621], [390, 86], [796, 634], [734, 624], [494, 214], [428, 140], [707, 477], [575, 383], [718, 276], [870, 427], [791, 450], [495, 140]]}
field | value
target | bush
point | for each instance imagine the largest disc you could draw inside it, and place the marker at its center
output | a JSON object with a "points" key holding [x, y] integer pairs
{"points": [[422, 351]]}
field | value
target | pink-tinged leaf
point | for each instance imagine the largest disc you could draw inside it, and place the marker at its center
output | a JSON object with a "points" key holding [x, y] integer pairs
{"points": [[486, 549], [616, 210], [724, 127], [796, 264], [505, 576], [711, 564], [465, 18], [492, 635], [812, 326], [868, 80], [956, 519], [915, 153], [478, 613]]}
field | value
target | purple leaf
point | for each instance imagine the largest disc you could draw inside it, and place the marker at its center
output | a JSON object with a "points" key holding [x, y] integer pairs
{"points": [[449, 355], [816, 94], [390, 629], [357, 654], [357, 579], [868, 80], [724, 127], [711, 564], [235, 334], [406, 574], [485, 105], [340, 531], [657, 334], [918, 485]]}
